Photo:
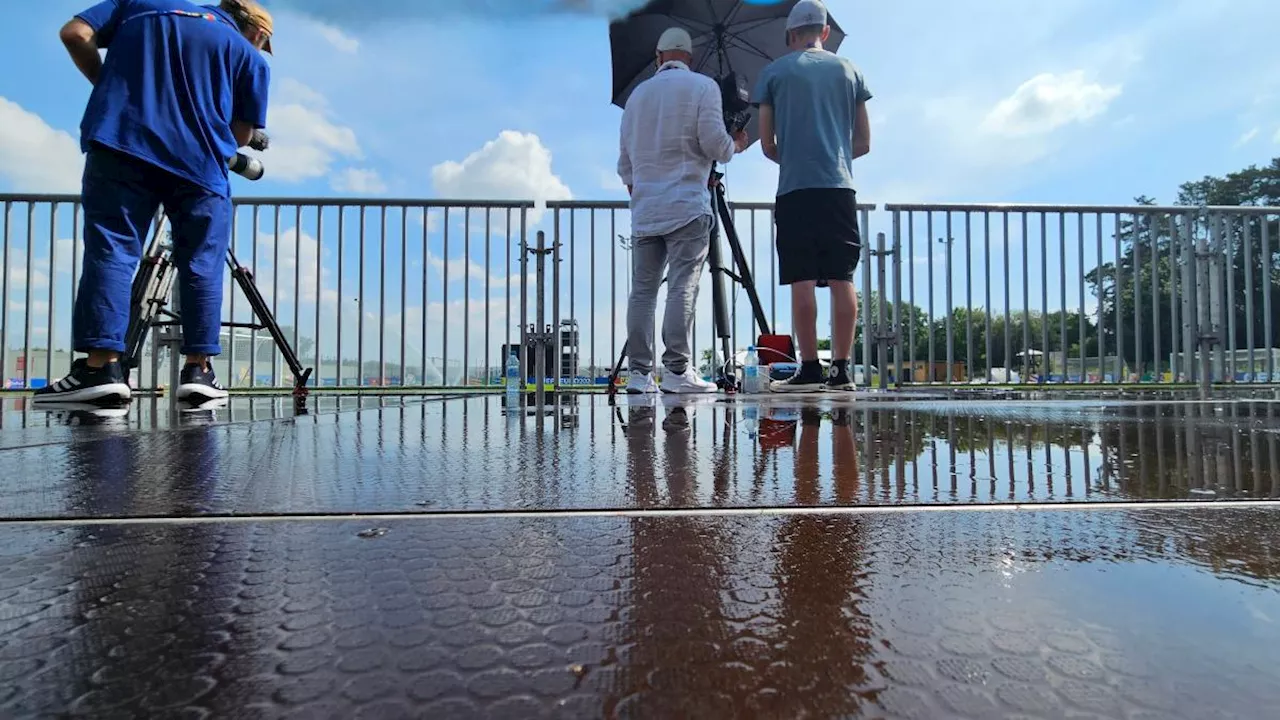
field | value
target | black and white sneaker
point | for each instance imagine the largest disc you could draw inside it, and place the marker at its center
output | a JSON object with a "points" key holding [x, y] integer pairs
{"points": [[838, 377], [105, 385], [198, 384], [808, 379]]}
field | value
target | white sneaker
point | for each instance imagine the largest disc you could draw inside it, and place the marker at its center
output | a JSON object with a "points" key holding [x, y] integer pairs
{"points": [[686, 384], [641, 384]]}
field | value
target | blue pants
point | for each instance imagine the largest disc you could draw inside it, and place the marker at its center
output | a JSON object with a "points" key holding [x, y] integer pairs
{"points": [[121, 195]]}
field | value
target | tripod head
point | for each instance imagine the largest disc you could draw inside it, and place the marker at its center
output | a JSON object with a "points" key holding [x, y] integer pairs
{"points": [[734, 101]]}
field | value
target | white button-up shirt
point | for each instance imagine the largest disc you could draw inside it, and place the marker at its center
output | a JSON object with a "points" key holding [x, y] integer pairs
{"points": [[672, 131]]}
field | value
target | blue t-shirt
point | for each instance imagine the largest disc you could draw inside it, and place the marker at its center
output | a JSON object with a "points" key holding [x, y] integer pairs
{"points": [[171, 85], [815, 95]]}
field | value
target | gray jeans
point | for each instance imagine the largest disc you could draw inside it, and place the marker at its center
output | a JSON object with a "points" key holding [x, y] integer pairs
{"points": [[685, 250]]}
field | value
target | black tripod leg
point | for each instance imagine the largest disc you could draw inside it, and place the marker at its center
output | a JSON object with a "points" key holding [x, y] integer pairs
{"points": [[740, 260], [617, 370], [149, 295], [720, 306], [245, 279]]}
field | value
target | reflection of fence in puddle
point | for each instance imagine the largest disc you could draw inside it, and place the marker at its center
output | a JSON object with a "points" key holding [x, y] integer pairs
{"points": [[737, 454], [1133, 452]]}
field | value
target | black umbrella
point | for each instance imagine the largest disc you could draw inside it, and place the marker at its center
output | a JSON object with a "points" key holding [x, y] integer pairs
{"points": [[729, 36]]}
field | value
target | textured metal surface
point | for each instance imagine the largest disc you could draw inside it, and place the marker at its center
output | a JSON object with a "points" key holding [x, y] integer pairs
{"points": [[466, 454], [1100, 614]]}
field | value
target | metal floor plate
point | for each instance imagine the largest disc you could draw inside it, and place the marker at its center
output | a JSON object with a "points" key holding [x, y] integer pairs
{"points": [[706, 558], [465, 454], [1145, 613]]}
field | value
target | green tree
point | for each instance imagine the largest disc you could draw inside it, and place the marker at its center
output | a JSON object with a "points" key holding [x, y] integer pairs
{"points": [[1145, 235]]}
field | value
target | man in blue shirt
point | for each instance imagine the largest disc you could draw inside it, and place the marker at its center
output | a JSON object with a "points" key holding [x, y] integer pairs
{"points": [[182, 89], [813, 123]]}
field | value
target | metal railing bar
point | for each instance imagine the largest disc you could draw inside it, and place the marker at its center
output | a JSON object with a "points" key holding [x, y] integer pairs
{"points": [[444, 304], [253, 334], [404, 299], [426, 301], [1063, 346], [341, 298], [382, 296], [1026, 299], [488, 290], [317, 374], [1050, 208], [466, 294], [53, 276]]}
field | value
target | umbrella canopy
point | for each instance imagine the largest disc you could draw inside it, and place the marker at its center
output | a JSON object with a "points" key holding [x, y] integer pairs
{"points": [[728, 36]]}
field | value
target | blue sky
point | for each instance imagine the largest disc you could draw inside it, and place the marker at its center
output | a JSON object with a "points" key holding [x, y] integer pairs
{"points": [[1076, 101]]}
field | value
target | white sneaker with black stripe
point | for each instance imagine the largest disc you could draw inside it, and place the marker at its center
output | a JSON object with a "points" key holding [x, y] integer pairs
{"points": [[198, 384], [88, 385]]}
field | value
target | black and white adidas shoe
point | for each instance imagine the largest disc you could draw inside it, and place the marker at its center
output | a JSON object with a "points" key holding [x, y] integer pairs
{"points": [[198, 384], [88, 385]]}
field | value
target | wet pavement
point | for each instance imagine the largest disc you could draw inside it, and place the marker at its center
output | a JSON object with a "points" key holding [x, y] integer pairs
{"points": [[468, 454], [777, 558]]}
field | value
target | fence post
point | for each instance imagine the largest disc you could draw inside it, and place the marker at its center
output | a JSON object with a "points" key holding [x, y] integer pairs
{"points": [[557, 357], [539, 335], [884, 334], [897, 301], [868, 332], [1208, 306], [1217, 285], [524, 299], [1185, 243]]}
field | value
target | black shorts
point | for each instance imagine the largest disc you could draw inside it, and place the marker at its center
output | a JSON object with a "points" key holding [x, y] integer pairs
{"points": [[817, 236]]}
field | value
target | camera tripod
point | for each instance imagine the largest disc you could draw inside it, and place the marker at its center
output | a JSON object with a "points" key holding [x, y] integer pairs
{"points": [[726, 377], [152, 288]]}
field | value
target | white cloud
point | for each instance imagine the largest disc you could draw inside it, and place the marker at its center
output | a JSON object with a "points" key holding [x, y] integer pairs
{"points": [[610, 181], [36, 158], [1047, 102], [305, 141], [298, 258], [341, 41], [1276, 138], [360, 181], [514, 166], [1248, 136], [460, 270], [18, 275]]}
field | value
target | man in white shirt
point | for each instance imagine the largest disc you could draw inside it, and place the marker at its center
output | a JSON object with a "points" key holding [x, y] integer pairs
{"points": [[673, 130]]}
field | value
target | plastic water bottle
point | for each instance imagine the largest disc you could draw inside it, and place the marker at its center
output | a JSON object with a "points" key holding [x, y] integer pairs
{"points": [[513, 377], [751, 372]]}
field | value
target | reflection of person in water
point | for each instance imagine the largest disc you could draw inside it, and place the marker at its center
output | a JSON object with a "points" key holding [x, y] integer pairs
{"points": [[820, 626], [678, 630]]}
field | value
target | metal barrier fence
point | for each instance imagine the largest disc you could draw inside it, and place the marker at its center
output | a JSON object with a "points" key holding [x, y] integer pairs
{"points": [[1125, 294], [418, 293]]}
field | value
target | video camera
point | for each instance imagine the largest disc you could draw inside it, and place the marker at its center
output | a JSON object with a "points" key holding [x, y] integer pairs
{"points": [[736, 101], [250, 168]]}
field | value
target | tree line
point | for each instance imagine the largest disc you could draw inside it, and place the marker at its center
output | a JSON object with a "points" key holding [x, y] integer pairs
{"points": [[1252, 253]]}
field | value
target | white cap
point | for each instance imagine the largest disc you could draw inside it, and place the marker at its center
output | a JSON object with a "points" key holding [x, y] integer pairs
{"points": [[675, 39], [807, 12]]}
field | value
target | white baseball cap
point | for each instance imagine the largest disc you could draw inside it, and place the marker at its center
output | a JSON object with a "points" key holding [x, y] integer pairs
{"points": [[807, 12], [675, 39]]}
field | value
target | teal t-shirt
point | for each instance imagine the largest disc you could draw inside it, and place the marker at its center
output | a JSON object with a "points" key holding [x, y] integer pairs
{"points": [[814, 94]]}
